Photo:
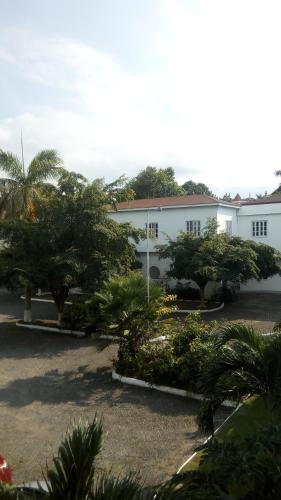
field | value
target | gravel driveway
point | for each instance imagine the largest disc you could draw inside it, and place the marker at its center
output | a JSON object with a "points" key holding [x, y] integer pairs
{"points": [[47, 380]]}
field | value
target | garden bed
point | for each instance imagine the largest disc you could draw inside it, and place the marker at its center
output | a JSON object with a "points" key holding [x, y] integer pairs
{"points": [[162, 388]]}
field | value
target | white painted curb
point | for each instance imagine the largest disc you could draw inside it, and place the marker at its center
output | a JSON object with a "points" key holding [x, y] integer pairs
{"points": [[164, 388], [208, 439], [51, 301], [201, 311], [117, 337], [51, 329]]}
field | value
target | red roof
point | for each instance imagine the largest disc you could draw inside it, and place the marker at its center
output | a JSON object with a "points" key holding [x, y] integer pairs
{"points": [[273, 198], [192, 199], [237, 197]]}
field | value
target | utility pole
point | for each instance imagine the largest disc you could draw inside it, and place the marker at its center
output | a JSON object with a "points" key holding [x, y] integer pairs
{"points": [[147, 257], [22, 156]]}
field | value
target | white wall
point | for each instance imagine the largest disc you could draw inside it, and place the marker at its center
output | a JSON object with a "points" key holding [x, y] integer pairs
{"points": [[173, 220], [227, 214], [272, 213], [170, 221]]}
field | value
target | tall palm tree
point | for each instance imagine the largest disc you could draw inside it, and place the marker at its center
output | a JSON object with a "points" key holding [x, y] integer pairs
{"points": [[245, 363], [21, 189]]}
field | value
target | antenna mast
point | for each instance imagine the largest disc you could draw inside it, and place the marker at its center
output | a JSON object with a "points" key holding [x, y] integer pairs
{"points": [[22, 157]]}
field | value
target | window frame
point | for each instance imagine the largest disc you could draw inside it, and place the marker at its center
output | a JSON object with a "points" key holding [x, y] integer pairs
{"points": [[193, 227], [260, 228], [153, 230]]}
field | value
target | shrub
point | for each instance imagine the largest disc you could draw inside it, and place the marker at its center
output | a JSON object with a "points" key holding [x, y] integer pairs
{"points": [[193, 327], [179, 361], [75, 316], [123, 301], [157, 364]]}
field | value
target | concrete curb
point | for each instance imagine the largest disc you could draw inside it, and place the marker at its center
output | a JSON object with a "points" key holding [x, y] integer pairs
{"points": [[164, 388], [208, 439], [45, 300], [76, 333], [201, 311], [51, 329]]}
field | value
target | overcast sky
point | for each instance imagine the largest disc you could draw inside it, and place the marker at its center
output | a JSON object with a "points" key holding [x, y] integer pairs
{"points": [[116, 85]]}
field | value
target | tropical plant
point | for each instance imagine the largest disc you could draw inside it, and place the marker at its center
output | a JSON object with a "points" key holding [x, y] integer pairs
{"points": [[233, 468], [23, 187], [22, 190], [244, 363], [75, 474], [123, 303]]}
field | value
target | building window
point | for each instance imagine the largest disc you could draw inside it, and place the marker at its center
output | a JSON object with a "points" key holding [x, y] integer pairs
{"points": [[154, 272], [259, 228], [153, 229], [193, 227], [228, 227]]}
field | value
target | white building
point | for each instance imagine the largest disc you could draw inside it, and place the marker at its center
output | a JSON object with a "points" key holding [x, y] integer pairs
{"points": [[259, 220]]}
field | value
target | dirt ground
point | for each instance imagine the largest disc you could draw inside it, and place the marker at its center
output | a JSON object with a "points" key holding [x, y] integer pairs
{"points": [[48, 380]]}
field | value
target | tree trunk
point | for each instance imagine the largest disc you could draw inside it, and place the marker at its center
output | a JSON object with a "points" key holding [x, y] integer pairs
{"points": [[60, 313], [202, 296], [60, 295], [27, 316]]}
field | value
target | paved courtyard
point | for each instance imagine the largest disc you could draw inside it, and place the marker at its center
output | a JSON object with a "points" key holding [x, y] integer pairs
{"points": [[47, 380], [261, 310]]}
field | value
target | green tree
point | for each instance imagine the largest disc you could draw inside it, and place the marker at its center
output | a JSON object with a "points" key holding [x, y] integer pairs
{"points": [[23, 188], [155, 183], [217, 257], [72, 241], [191, 187], [227, 197]]}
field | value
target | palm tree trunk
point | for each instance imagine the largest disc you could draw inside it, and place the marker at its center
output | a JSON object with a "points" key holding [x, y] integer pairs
{"points": [[27, 315]]}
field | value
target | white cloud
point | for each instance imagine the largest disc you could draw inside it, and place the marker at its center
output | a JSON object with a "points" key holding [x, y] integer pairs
{"points": [[212, 109]]}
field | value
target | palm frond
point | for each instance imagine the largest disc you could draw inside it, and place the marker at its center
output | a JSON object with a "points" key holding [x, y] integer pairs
{"points": [[74, 467], [277, 326], [238, 331], [11, 165], [110, 488], [272, 361], [47, 164]]}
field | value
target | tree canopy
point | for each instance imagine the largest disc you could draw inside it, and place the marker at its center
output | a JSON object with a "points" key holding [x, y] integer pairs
{"points": [[155, 182], [72, 241], [217, 257], [22, 188], [191, 187]]}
